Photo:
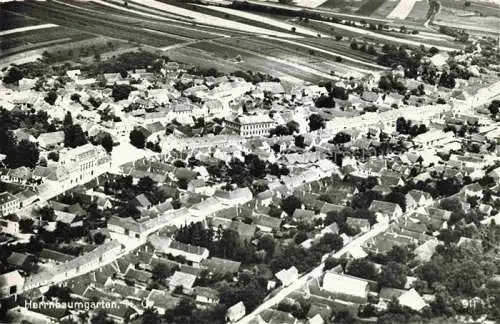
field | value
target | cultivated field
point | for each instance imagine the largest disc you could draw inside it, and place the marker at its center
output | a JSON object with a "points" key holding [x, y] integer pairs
{"points": [[23, 41], [370, 7], [9, 20], [403, 9], [465, 20]]}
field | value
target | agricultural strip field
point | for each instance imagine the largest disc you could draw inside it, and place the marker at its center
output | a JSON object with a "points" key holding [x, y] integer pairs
{"points": [[145, 15], [385, 9], [210, 54], [210, 20], [419, 12], [26, 29], [34, 37], [98, 24], [296, 53], [344, 6], [266, 20], [370, 7], [403, 9], [10, 20], [448, 17], [378, 37], [224, 15]]}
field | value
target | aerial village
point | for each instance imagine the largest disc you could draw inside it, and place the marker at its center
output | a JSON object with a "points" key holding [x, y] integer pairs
{"points": [[180, 194]]}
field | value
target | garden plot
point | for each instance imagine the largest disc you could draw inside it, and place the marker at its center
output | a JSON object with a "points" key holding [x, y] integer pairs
{"points": [[403, 9]]}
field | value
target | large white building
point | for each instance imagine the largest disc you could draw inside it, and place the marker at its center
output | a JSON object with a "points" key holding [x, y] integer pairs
{"points": [[248, 126], [84, 162], [8, 203], [433, 138]]}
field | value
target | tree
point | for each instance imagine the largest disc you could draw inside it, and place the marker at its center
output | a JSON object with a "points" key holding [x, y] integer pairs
{"points": [[26, 225], [300, 237], [101, 318], [121, 92], [344, 317], [28, 153], [433, 50], [54, 156], [47, 214], [397, 197], [316, 122], [362, 268], [68, 120], [290, 203], [371, 50], [299, 141], [334, 241], [99, 238], [74, 136], [137, 138], [107, 142], [161, 271], [61, 293], [354, 46], [331, 263], [75, 97], [14, 74], [146, 184], [339, 93], [267, 243], [494, 107], [393, 275], [341, 138], [151, 316], [324, 102], [51, 97]]}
